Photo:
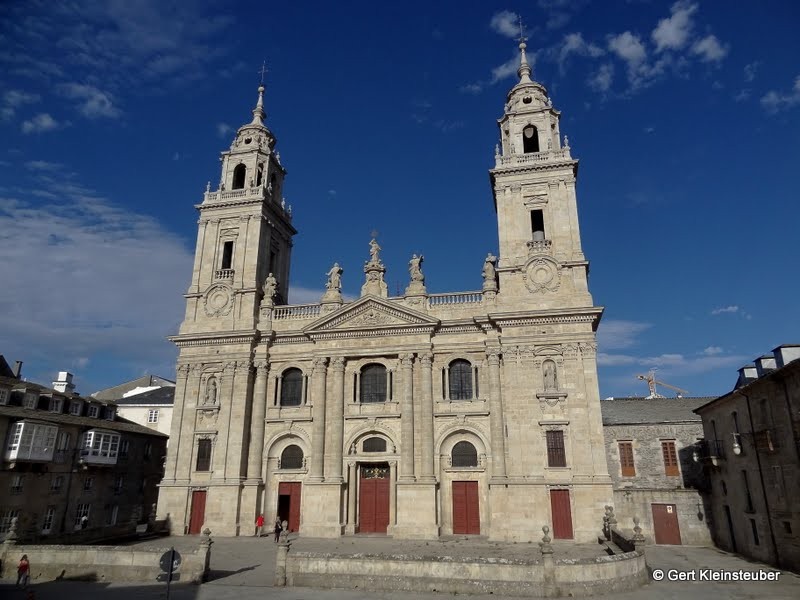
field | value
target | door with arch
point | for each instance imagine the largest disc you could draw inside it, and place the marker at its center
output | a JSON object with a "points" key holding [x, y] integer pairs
{"points": [[373, 498]]}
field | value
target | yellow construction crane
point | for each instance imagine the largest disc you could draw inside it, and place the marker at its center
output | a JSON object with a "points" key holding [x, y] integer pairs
{"points": [[651, 380]]}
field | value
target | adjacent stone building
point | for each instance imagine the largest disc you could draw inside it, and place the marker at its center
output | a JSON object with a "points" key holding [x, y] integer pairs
{"points": [[473, 412], [67, 457], [752, 456], [649, 447], [147, 401]]}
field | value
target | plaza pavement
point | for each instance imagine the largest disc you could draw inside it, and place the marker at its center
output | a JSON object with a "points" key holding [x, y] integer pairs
{"points": [[243, 568]]}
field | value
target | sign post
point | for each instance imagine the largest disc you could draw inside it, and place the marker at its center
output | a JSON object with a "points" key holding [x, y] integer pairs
{"points": [[170, 563]]}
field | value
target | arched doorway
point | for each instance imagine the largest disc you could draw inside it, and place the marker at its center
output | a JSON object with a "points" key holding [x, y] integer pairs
{"points": [[373, 498]]}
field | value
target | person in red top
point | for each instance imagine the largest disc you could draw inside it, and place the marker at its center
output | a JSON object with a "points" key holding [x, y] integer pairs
{"points": [[259, 525], [23, 571]]}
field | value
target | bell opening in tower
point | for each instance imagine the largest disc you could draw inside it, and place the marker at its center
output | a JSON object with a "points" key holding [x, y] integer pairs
{"points": [[530, 139], [239, 174], [537, 226]]}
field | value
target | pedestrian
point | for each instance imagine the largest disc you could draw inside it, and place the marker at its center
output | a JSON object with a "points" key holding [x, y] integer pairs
{"points": [[23, 571], [278, 529], [84, 521], [259, 524]]}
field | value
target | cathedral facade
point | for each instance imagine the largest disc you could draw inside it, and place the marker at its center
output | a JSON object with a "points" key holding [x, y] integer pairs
{"points": [[415, 416]]}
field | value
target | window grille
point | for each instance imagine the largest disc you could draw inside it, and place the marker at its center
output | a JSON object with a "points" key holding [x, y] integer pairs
{"points": [[460, 380], [373, 384], [626, 459], [374, 444], [556, 455], [291, 387], [203, 455], [670, 458], [292, 457], [464, 455]]}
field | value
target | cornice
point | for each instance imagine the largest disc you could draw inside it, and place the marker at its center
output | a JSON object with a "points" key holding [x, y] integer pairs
{"points": [[214, 339]]}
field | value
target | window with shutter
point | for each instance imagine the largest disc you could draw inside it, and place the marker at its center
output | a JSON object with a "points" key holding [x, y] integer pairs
{"points": [[626, 459]]}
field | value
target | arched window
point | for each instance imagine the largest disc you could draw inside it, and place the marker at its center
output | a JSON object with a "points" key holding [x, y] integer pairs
{"points": [[373, 383], [464, 455], [460, 380], [239, 174], [374, 444], [530, 139], [260, 174], [292, 387], [292, 457]]}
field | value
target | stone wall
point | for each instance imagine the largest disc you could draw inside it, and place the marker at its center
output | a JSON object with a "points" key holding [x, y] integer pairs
{"points": [[102, 563], [503, 577]]}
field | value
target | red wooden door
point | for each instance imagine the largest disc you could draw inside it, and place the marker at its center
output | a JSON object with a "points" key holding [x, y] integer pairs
{"points": [[373, 500], [665, 524], [562, 514], [197, 514], [466, 513], [289, 493]]}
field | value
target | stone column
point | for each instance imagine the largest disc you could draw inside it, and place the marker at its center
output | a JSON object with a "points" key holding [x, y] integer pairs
{"points": [[184, 450], [426, 432], [407, 418], [352, 474], [336, 418], [392, 492], [256, 449], [318, 382], [225, 399], [496, 422], [171, 468]]}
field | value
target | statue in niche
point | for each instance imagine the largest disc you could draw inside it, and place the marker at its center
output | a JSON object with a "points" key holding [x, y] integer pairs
{"points": [[270, 287], [550, 376], [489, 271], [334, 278], [374, 248], [211, 392], [414, 268]]}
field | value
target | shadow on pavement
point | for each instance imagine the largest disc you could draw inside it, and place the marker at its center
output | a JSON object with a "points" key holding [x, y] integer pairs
{"points": [[66, 589], [214, 574]]}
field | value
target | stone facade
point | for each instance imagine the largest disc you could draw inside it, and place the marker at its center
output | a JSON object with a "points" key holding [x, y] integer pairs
{"points": [[418, 415], [647, 424], [752, 457]]}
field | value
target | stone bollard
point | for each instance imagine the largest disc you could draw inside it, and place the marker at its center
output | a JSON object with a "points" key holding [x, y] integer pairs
{"points": [[638, 538], [548, 565], [205, 552], [280, 561], [606, 526]]}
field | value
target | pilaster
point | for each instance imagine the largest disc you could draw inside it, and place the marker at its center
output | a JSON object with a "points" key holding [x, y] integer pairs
{"points": [[426, 421], [407, 418], [335, 423], [256, 450], [496, 422], [318, 389]]}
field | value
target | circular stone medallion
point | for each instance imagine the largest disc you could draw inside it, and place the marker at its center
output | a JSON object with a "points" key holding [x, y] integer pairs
{"points": [[542, 274], [219, 300]]}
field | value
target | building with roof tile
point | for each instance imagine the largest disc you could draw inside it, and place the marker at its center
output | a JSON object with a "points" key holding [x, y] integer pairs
{"points": [[71, 462]]}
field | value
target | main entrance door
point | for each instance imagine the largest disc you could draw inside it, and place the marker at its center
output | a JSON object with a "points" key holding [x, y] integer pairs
{"points": [[665, 524], [562, 514], [289, 503], [466, 516], [373, 499], [197, 514]]}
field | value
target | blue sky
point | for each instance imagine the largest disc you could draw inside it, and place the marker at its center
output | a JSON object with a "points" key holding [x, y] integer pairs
{"points": [[685, 117]]}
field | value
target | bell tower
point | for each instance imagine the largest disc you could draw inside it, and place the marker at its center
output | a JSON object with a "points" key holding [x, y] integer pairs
{"points": [[244, 235], [533, 183]]}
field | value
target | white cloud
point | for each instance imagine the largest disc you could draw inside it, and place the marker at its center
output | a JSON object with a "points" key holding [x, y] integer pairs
{"points": [[575, 44], [709, 49], [13, 99], [743, 95], [601, 80], [472, 88], [750, 71], [43, 165], [649, 129], [303, 295], [725, 309], [510, 68], [629, 48], [673, 32], [94, 102], [712, 350], [505, 23], [223, 129], [774, 101], [39, 124], [614, 334], [559, 12], [672, 363], [90, 279]]}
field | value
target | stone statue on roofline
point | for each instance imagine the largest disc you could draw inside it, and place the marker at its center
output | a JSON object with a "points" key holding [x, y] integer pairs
{"points": [[334, 278], [270, 289], [490, 273], [415, 268], [374, 249]]}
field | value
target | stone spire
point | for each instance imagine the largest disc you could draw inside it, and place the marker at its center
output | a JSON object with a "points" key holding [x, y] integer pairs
{"points": [[524, 70], [258, 111]]}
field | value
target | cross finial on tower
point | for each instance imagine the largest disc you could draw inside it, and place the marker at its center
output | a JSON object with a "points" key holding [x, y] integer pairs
{"points": [[522, 38], [263, 70]]}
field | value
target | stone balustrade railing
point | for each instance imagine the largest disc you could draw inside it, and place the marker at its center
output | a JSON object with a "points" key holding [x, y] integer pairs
{"points": [[253, 193], [298, 311], [223, 274], [454, 298], [539, 246], [533, 157]]}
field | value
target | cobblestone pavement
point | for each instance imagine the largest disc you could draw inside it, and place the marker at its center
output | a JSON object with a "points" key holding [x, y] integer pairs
{"points": [[243, 568]]}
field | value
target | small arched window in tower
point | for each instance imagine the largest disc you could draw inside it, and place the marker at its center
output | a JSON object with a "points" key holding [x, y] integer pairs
{"points": [[537, 226], [374, 444], [530, 139], [291, 387], [464, 455], [260, 174], [291, 457], [373, 383], [460, 377], [239, 175]]}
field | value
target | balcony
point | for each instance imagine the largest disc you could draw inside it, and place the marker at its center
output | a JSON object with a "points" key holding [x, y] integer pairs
{"points": [[712, 451], [99, 448], [31, 442], [222, 274], [533, 158], [539, 246]]}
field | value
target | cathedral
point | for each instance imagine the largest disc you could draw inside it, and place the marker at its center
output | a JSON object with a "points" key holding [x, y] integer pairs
{"points": [[414, 416]]}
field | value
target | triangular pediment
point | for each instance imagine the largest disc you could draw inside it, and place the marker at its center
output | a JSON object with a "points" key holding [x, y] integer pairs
{"points": [[371, 312]]}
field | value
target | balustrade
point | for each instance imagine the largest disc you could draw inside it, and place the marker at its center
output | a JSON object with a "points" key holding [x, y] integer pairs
{"points": [[223, 274], [299, 311], [455, 298], [533, 157]]}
